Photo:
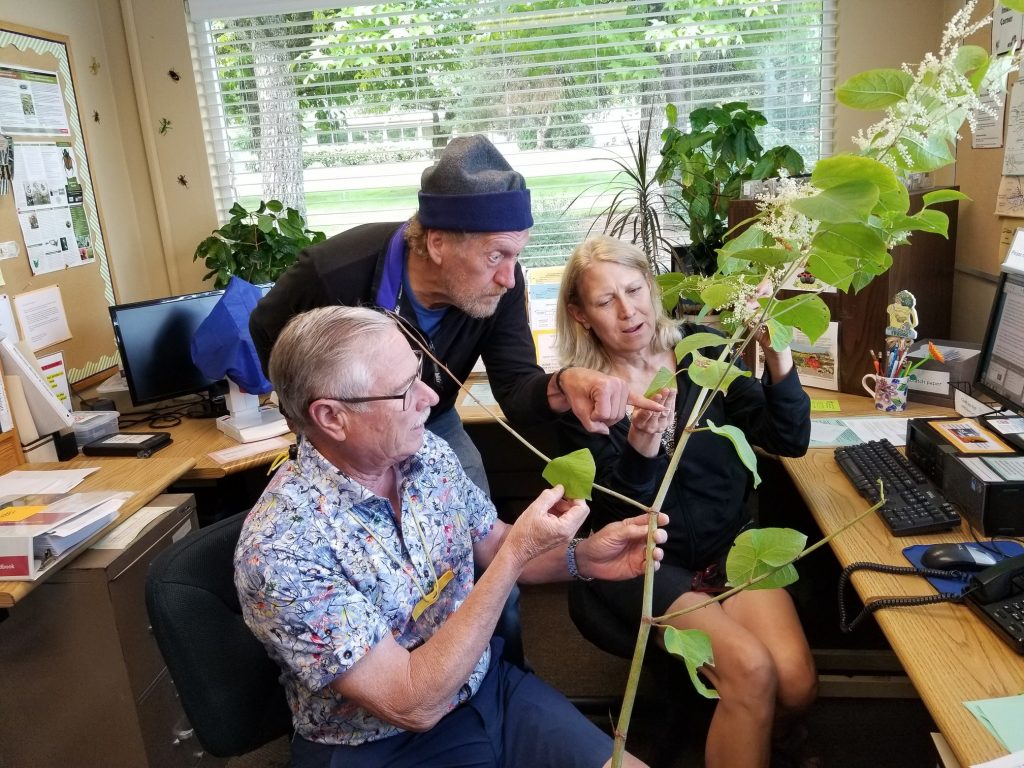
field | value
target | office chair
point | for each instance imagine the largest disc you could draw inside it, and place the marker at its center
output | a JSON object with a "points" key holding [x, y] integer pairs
{"points": [[684, 712], [227, 684]]}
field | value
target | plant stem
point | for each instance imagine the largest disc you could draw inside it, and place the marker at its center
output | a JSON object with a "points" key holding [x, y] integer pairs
{"points": [[644, 632]]}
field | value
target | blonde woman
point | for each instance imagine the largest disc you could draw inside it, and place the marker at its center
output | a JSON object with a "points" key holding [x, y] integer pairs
{"points": [[610, 319]]}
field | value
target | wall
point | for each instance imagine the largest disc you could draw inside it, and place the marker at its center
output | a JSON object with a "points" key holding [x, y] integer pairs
{"points": [[154, 223]]}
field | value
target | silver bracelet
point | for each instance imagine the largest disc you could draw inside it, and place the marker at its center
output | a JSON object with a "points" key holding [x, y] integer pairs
{"points": [[570, 561]]}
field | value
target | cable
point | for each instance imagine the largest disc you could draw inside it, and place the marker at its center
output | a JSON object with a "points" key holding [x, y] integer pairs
{"points": [[990, 546], [892, 602]]}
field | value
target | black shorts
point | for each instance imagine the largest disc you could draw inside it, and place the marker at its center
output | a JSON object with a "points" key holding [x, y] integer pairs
{"points": [[625, 598]]}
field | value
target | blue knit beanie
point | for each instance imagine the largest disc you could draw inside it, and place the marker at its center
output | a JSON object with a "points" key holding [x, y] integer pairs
{"points": [[472, 188]]}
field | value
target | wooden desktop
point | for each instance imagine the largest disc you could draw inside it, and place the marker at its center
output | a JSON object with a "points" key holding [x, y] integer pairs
{"points": [[145, 478], [948, 653]]}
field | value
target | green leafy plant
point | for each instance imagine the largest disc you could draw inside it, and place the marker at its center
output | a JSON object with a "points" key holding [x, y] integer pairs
{"points": [[634, 212], [256, 245], [708, 164]]}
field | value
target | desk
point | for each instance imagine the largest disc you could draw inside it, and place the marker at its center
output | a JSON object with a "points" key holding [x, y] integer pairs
{"points": [[949, 655], [145, 478], [196, 438]]}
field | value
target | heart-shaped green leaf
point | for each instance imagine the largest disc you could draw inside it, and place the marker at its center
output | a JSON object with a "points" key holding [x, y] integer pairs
{"points": [[875, 89], [694, 341], [662, 379], [832, 268], [707, 373], [807, 312], [969, 58], [768, 256], [781, 335], [718, 294], [858, 242], [694, 647], [849, 201], [757, 551], [575, 472], [926, 154], [942, 195], [833, 171], [925, 220], [742, 447]]}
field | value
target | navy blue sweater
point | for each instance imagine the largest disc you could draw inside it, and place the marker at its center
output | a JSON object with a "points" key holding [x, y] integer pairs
{"points": [[705, 502]]}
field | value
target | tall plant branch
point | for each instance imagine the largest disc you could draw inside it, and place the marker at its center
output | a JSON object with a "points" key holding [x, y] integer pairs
{"points": [[498, 417]]}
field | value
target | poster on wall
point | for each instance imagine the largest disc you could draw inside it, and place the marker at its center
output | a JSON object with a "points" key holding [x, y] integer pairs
{"points": [[48, 199], [817, 364], [1013, 154], [1006, 30], [31, 103]]}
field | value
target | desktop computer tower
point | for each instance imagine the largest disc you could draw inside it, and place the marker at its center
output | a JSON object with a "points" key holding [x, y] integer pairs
{"points": [[992, 505], [994, 508]]}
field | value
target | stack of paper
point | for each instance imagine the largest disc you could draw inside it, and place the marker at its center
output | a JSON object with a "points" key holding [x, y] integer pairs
{"points": [[37, 530]]}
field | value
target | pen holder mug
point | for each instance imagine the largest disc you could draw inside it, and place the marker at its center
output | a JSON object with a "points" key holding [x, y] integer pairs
{"points": [[889, 392]]}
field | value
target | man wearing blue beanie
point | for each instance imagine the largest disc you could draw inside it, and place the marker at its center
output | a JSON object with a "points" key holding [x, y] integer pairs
{"points": [[451, 273]]}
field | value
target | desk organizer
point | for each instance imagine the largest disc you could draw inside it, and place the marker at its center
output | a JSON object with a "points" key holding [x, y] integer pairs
{"points": [[92, 425]]}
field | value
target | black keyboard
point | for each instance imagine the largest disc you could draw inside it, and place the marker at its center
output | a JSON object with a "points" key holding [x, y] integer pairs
{"points": [[912, 504]]}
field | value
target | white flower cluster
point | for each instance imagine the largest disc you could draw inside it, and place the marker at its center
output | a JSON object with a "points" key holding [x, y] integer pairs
{"points": [[937, 80], [783, 222], [743, 303]]}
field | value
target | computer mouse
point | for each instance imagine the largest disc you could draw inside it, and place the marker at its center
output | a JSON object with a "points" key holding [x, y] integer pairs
{"points": [[956, 557]]}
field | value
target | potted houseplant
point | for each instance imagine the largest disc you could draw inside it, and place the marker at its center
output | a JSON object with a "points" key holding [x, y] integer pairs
{"points": [[708, 164], [637, 204], [256, 245]]}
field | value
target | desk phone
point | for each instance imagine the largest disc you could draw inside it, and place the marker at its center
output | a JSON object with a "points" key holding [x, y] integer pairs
{"points": [[997, 596]]}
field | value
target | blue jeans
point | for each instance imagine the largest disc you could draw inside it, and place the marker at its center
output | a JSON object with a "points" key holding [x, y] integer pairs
{"points": [[514, 721]]}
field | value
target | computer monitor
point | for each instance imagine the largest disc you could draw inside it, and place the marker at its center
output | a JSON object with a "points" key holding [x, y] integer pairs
{"points": [[1001, 366], [154, 340]]}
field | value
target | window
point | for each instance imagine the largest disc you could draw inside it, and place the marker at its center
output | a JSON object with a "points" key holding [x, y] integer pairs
{"points": [[337, 110]]}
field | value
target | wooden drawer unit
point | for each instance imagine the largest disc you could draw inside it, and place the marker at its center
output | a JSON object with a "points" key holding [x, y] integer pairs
{"points": [[84, 682]]}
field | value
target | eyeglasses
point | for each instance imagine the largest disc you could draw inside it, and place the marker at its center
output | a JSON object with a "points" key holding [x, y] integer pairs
{"points": [[405, 397]]}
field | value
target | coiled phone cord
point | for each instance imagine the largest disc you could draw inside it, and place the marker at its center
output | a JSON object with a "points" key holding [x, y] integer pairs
{"points": [[892, 602]]}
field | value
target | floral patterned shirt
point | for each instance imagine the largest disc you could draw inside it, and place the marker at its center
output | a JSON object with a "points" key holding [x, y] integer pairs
{"points": [[323, 573]]}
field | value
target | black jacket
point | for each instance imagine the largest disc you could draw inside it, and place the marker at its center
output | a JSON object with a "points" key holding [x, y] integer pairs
{"points": [[705, 502], [347, 269]]}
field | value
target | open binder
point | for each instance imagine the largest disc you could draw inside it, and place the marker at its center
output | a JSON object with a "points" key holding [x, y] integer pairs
{"points": [[38, 530]]}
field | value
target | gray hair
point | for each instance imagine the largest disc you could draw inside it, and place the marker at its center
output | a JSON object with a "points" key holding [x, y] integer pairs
{"points": [[325, 352], [578, 346]]}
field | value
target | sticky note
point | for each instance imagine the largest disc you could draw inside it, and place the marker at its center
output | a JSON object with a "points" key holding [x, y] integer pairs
{"points": [[825, 405]]}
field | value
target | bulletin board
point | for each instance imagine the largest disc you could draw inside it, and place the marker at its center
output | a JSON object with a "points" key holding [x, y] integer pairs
{"points": [[49, 210]]}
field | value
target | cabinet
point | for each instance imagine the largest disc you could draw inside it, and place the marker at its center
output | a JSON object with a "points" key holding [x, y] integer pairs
{"points": [[83, 680], [10, 451], [924, 267]]}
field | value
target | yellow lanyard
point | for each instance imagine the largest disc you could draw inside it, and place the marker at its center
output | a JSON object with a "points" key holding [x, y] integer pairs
{"points": [[428, 597]]}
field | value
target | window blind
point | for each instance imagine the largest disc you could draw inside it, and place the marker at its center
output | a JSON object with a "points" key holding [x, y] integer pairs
{"points": [[337, 110]]}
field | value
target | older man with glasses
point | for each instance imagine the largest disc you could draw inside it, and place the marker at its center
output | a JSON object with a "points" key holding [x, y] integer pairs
{"points": [[355, 569]]}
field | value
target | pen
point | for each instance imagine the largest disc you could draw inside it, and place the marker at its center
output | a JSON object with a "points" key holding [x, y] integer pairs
{"points": [[874, 361]]}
